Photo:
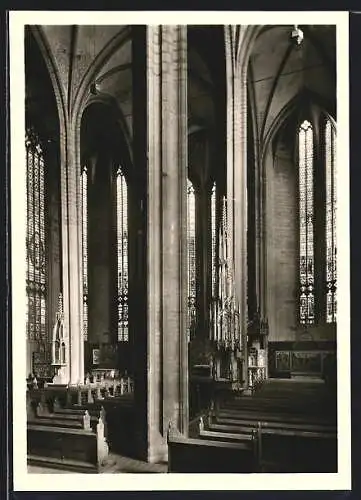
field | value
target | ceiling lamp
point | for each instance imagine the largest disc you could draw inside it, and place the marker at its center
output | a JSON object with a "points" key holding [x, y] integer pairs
{"points": [[297, 35]]}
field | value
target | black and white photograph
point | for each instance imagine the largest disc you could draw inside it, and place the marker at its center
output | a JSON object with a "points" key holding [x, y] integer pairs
{"points": [[180, 249]]}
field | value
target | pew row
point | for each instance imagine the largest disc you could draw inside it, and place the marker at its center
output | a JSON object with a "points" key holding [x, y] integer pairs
{"points": [[234, 417], [317, 409], [117, 412], [291, 451], [66, 441], [294, 448], [43, 412]]}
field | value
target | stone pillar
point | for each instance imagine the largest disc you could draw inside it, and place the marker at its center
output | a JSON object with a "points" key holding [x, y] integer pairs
{"points": [[71, 256], [167, 223], [138, 265], [237, 170], [64, 223]]}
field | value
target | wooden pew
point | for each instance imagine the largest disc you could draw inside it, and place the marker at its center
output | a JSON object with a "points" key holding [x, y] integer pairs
{"points": [[235, 425], [62, 441], [82, 394], [243, 427], [189, 455], [83, 422], [240, 434], [296, 429], [234, 418], [274, 416], [287, 450], [307, 408], [95, 410], [281, 448], [117, 403], [118, 418]]}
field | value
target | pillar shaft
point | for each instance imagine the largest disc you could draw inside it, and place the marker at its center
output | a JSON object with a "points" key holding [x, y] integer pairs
{"points": [[237, 171], [71, 255], [167, 218], [174, 227], [138, 205]]}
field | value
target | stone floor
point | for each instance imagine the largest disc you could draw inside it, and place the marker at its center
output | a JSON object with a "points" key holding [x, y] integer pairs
{"points": [[117, 464]]}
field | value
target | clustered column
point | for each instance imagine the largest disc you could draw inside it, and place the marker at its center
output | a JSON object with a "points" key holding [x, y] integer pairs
{"points": [[164, 394], [71, 255], [237, 169]]}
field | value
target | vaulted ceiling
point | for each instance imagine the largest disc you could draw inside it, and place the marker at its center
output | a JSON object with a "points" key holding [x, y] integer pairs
{"points": [[39, 92], [206, 76], [75, 49], [280, 70]]}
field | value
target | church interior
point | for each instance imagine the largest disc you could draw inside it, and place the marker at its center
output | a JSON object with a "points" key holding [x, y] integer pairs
{"points": [[181, 248]]}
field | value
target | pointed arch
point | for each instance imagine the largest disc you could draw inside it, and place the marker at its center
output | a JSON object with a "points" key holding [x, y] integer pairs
{"points": [[45, 158], [301, 101], [303, 120], [61, 153], [100, 60], [58, 89], [125, 138]]}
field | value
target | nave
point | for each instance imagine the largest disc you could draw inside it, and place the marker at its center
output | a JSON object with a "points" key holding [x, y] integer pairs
{"points": [[180, 247]]}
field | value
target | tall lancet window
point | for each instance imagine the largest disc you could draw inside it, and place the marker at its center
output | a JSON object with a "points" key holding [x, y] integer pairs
{"points": [[214, 239], [331, 248], [84, 199], [306, 216], [35, 241], [122, 255], [191, 243]]}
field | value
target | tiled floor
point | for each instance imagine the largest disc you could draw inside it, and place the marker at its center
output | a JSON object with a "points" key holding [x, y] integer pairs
{"points": [[116, 465]]}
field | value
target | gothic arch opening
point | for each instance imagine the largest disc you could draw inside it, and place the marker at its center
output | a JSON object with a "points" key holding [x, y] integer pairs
{"points": [[284, 90], [297, 163], [105, 183], [43, 236]]}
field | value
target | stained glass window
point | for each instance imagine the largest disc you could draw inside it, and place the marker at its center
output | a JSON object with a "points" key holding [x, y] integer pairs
{"points": [[35, 241], [84, 198], [122, 255], [191, 243], [306, 219], [213, 239], [331, 248]]}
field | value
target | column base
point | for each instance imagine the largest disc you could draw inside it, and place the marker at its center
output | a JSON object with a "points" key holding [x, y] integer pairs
{"points": [[159, 455], [153, 454]]}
